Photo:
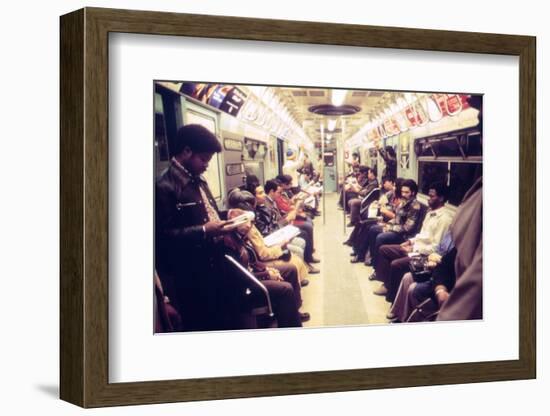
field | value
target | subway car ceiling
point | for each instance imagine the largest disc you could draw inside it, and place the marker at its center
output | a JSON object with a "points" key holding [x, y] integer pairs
{"points": [[431, 133]]}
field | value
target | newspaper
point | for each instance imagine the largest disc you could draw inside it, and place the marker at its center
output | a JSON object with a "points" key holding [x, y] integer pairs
{"points": [[281, 236]]}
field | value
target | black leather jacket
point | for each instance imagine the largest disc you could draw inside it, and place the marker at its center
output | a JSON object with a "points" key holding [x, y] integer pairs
{"points": [[190, 265]]}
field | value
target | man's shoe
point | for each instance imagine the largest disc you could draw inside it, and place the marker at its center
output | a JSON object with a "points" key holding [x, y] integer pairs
{"points": [[381, 291], [390, 316], [305, 316], [353, 253], [304, 283], [368, 262], [372, 276], [312, 270], [346, 243], [350, 224], [314, 260], [355, 259]]}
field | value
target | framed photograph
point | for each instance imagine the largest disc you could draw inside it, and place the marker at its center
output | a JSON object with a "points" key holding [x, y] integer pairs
{"points": [[179, 282]]}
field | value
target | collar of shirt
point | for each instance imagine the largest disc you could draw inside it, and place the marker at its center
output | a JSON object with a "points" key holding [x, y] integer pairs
{"points": [[185, 172], [435, 212], [405, 203]]}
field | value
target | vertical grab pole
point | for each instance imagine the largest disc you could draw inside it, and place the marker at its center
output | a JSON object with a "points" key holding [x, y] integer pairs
{"points": [[323, 167], [343, 172]]}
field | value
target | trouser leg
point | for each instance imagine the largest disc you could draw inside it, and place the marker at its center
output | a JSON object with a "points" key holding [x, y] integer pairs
{"points": [[354, 209], [386, 255], [401, 305], [398, 268], [290, 275], [283, 303], [380, 240], [306, 233], [371, 237]]}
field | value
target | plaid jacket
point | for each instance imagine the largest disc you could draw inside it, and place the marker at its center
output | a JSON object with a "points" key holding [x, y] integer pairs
{"points": [[407, 217]]}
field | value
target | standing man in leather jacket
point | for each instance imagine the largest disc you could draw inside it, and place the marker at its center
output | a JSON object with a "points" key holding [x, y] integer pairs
{"points": [[188, 231]]}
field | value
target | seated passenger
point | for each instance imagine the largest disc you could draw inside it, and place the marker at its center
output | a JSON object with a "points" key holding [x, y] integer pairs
{"points": [[268, 220], [464, 271], [282, 283], [167, 318], [268, 209], [388, 203], [291, 211], [394, 259], [251, 182], [411, 293], [350, 178], [274, 256], [402, 227], [391, 198], [291, 196], [367, 183]]}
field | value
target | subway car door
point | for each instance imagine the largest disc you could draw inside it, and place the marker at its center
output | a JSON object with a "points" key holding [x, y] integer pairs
{"points": [[162, 151], [234, 169], [196, 114], [330, 182]]}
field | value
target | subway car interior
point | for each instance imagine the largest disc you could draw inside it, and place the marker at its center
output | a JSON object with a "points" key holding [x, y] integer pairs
{"points": [[360, 206]]}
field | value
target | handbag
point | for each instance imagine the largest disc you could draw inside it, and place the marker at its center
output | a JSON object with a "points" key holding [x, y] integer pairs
{"points": [[419, 270], [285, 256]]}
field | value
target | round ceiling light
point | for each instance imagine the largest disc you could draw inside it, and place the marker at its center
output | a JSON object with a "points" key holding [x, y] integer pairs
{"points": [[330, 110]]}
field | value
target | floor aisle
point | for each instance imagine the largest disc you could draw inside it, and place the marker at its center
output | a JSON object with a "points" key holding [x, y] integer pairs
{"points": [[342, 293]]}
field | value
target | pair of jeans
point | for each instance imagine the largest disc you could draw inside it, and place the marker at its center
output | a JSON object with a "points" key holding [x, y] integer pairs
{"points": [[306, 232], [378, 238]]}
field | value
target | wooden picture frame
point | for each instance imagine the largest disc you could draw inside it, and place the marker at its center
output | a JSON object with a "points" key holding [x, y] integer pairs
{"points": [[84, 207]]}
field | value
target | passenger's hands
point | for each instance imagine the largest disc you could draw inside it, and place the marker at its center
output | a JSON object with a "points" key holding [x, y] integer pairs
{"points": [[274, 274], [407, 246], [434, 257], [431, 264], [214, 228], [291, 216], [441, 295]]}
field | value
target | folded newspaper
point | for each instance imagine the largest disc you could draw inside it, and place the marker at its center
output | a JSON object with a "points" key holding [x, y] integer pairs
{"points": [[281, 236]]}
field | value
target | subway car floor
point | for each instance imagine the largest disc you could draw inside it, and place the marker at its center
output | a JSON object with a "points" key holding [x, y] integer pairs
{"points": [[341, 294]]}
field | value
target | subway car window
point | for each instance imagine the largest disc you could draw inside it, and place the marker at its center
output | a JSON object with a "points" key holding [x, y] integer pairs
{"points": [[430, 172], [293, 207], [213, 173], [462, 177]]}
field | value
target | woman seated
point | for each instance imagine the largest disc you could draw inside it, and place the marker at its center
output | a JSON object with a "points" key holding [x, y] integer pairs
{"points": [[275, 256], [281, 283]]}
